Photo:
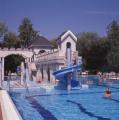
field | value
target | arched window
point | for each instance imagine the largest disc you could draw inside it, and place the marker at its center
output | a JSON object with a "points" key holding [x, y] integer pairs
{"points": [[41, 51], [68, 45]]}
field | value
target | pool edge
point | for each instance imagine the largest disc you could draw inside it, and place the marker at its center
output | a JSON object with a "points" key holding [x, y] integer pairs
{"points": [[9, 110]]}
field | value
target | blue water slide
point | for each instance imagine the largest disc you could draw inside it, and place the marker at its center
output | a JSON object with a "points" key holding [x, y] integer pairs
{"points": [[61, 75]]}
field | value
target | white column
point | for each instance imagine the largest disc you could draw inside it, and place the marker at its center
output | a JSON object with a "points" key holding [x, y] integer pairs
{"points": [[52, 79], [0, 72], [29, 59], [26, 59], [45, 73], [3, 69], [39, 76], [22, 73]]}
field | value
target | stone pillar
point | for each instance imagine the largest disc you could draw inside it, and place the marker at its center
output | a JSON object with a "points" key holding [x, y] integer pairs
{"points": [[52, 78], [45, 73], [25, 60], [30, 60], [0, 72], [22, 73], [3, 69], [39, 76]]}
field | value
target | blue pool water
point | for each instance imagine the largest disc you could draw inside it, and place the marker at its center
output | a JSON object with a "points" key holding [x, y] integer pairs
{"points": [[84, 104]]}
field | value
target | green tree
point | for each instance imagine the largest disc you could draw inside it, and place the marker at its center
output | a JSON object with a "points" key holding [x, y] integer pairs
{"points": [[84, 46], [26, 32], [3, 30], [93, 50], [11, 40], [104, 47], [97, 55], [54, 43], [12, 61], [113, 37]]}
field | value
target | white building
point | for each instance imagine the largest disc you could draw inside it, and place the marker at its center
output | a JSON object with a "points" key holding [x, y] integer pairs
{"points": [[44, 57], [40, 45], [56, 59]]}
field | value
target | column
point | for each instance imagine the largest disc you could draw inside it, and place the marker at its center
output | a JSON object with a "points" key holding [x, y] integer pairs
{"points": [[45, 73], [3, 69], [29, 59], [0, 72], [39, 76], [26, 59], [52, 78]]}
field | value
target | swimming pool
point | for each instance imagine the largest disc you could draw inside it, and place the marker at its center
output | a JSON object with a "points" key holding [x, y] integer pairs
{"points": [[84, 104]]}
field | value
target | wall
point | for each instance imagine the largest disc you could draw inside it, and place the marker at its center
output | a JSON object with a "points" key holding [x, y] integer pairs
{"points": [[63, 45], [24, 52], [36, 50]]}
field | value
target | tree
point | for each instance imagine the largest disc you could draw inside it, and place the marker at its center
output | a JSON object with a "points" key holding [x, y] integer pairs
{"points": [[54, 43], [84, 46], [26, 32], [12, 62], [104, 48], [97, 56], [11, 40], [93, 50], [3, 30], [113, 37]]}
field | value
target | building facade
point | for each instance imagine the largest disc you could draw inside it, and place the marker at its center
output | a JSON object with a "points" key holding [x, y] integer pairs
{"points": [[56, 59], [43, 58]]}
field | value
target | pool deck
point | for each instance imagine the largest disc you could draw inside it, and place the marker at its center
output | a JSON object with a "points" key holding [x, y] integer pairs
{"points": [[0, 114]]}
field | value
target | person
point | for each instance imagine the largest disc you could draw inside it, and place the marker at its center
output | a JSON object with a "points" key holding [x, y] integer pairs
{"points": [[108, 93], [99, 74]]}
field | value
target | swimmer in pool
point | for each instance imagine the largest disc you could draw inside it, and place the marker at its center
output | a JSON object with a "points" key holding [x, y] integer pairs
{"points": [[108, 93]]}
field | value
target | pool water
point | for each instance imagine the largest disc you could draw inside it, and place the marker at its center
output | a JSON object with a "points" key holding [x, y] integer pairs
{"points": [[83, 104]]}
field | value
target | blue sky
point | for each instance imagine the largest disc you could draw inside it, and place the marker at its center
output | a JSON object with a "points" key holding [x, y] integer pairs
{"points": [[52, 17]]}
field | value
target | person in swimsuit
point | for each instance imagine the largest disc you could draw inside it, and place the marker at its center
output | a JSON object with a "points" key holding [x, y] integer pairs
{"points": [[108, 93]]}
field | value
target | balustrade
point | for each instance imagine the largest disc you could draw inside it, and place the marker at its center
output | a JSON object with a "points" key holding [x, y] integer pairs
{"points": [[50, 57], [54, 57]]}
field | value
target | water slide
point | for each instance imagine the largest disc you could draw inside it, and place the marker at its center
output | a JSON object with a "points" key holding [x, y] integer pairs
{"points": [[62, 75]]}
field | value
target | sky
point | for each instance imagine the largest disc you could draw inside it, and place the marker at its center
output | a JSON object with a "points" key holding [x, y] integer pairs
{"points": [[52, 17]]}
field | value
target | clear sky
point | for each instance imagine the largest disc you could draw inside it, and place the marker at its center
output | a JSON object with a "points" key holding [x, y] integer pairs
{"points": [[52, 17]]}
